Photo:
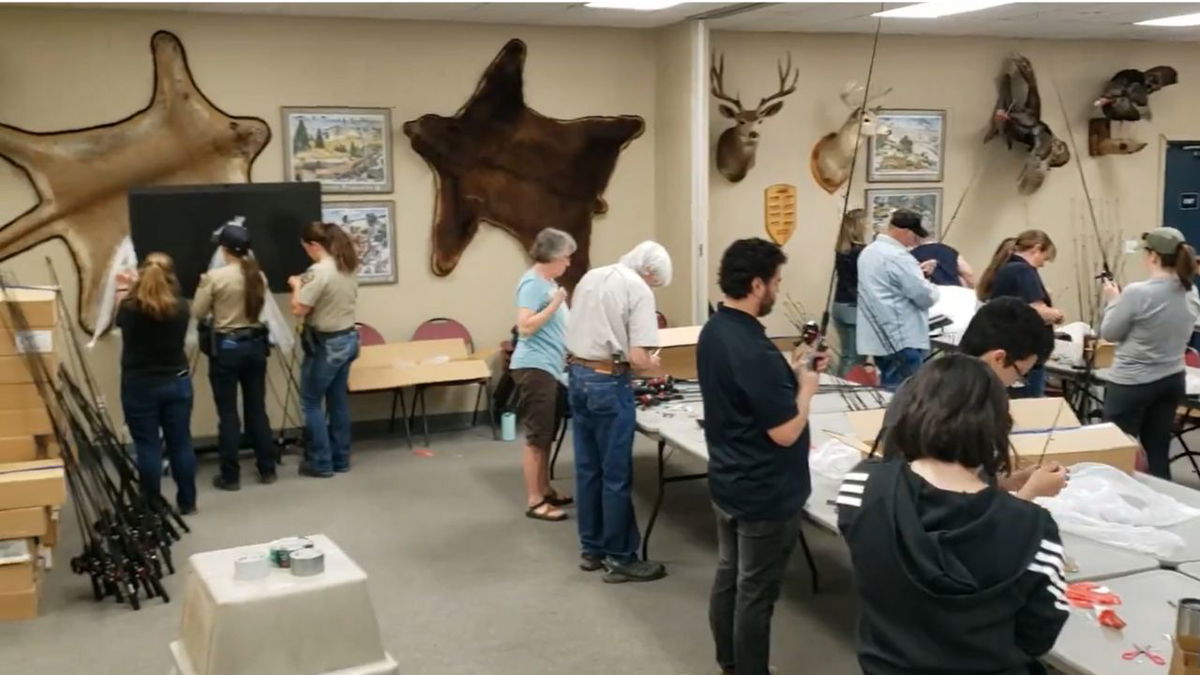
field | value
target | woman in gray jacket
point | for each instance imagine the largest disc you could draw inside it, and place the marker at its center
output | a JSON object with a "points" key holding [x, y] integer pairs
{"points": [[1151, 321]]}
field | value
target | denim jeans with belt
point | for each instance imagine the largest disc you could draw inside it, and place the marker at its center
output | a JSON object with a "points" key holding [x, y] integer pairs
{"points": [[241, 361], [325, 376], [158, 412], [602, 412], [894, 369]]}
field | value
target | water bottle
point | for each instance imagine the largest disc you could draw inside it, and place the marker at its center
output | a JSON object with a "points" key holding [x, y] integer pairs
{"points": [[508, 426]]}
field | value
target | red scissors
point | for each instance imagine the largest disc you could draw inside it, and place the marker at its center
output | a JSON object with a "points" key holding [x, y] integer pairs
{"points": [[1139, 651]]}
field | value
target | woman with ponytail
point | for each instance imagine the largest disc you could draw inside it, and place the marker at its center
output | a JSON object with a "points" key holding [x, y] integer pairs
{"points": [[1151, 321], [156, 387], [1013, 272], [232, 297], [325, 296]]}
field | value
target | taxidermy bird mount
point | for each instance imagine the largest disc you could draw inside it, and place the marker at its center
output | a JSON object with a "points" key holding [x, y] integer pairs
{"points": [[1126, 98], [1018, 116], [738, 144]]}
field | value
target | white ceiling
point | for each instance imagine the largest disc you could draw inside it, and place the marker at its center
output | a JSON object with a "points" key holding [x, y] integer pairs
{"points": [[1055, 20]]}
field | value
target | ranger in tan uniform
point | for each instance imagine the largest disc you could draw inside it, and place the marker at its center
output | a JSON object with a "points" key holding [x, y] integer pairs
{"points": [[227, 305], [326, 295]]}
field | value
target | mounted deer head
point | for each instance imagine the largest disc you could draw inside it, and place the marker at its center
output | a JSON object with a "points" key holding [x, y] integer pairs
{"points": [[833, 155], [737, 145]]}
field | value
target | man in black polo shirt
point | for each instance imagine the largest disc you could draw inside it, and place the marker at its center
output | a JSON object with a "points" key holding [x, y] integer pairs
{"points": [[756, 424]]}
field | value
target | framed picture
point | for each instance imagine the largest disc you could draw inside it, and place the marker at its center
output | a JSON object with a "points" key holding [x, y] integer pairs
{"points": [[925, 201], [371, 226], [910, 149], [347, 150]]}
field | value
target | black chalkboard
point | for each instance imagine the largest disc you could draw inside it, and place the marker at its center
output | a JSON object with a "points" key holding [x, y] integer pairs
{"points": [[179, 220]]}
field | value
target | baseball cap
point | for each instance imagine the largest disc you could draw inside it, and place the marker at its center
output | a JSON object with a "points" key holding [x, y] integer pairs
{"points": [[233, 236], [908, 220], [1163, 240]]}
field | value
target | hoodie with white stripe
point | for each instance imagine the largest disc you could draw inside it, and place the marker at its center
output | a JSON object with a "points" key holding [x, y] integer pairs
{"points": [[951, 583]]}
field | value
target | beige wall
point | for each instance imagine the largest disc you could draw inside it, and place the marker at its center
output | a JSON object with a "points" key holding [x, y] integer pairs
{"points": [[956, 74], [69, 68]]}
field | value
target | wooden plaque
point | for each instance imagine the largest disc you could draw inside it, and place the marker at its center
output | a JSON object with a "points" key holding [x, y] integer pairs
{"points": [[780, 212]]}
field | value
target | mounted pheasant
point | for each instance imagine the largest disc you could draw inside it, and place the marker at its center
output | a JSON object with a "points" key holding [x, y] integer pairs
{"points": [[737, 145]]}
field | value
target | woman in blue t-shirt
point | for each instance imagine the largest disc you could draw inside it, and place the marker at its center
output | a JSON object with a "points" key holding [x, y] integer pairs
{"points": [[538, 363], [1013, 272]]}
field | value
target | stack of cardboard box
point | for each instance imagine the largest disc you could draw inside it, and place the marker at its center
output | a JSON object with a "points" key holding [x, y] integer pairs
{"points": [[32, 482]]}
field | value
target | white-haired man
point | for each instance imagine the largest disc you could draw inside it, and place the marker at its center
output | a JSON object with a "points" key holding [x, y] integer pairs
{"points": [[613, 328]]}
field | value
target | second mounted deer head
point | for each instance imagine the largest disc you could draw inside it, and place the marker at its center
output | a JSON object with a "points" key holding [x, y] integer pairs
{"points": [[737, 145], [833, 155]]}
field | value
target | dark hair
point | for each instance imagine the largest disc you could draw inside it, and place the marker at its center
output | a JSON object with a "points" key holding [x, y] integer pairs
{"points": [[956, 411], [905, 219], [1009, 324], [1183, 262], [746, 260], [255, 287], [336, 243], [156, 291], [1027, 240]]}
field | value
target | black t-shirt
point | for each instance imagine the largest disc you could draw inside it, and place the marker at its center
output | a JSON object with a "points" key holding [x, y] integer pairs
{"points": [[846, 265], [749, 388], [1018, 279], [152, 348], [946, 271]]}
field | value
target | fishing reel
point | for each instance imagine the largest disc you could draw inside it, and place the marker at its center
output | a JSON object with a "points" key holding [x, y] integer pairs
{"points": [[811, 336], [1105, 275]]}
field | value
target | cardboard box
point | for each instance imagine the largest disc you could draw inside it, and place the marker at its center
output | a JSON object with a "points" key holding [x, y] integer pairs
{"points": [[27, 448], [31, 521], [37, 483], [20, 396], [1029, 415], [1101, 443], [16, 369], [50, 538], [32, 341], [18, 575], [1104, 354], [37, 306], [31, 422]]}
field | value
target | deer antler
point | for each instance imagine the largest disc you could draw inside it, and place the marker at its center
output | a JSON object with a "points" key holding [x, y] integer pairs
{"points": [[854, 95], [785, 87], [717, 76]]}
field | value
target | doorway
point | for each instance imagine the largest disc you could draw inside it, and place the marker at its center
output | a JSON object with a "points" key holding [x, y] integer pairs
{"points": [[1181, 189]]}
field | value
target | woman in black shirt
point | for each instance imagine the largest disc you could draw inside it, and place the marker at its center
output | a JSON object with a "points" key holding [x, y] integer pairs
{"points": [[1013, 272], [852, 239], [156, 387]]}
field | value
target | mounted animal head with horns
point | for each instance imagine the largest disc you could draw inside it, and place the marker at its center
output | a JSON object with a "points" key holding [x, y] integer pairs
{"points": [[833, 155], [737, 145]]}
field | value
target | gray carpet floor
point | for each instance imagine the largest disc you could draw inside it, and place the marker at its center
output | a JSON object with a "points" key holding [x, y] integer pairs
{"points": [[462, 582]]}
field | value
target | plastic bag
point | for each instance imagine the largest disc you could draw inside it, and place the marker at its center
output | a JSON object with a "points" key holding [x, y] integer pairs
{"points": [[1109, 506], [834, 459]]}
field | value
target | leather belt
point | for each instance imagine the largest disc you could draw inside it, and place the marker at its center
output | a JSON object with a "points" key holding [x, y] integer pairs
{"points": [[602, 367]]}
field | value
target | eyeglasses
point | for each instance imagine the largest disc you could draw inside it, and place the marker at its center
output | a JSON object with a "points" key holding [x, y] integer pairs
{"points": [[1021, 374]]}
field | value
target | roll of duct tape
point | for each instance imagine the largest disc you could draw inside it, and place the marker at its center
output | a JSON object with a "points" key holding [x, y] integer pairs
{"points": [[308, 562], [282, 550], [251, 567]]}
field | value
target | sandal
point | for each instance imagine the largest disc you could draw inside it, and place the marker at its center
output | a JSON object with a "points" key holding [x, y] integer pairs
{"points": [[556, 499], [547, 515]]}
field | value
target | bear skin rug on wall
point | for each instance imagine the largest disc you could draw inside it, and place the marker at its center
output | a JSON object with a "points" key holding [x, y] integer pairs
{"points": [[499, 161], [82, 176]]}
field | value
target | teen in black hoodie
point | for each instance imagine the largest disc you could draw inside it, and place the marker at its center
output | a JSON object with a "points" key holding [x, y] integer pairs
{"points": [[956, 575]]}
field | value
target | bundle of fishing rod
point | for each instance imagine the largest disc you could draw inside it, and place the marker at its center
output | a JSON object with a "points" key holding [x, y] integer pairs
{"points": [[126, 533]]}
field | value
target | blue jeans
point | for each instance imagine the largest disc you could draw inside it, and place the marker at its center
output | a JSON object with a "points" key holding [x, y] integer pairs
{"points": [[233, 363], [896, 368], [154, 404], [845, 320], [1035, 385], [324, 376], [602, 412]]}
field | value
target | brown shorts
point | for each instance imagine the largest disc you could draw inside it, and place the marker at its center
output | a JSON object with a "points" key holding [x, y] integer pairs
{"points": [[537, 405]]}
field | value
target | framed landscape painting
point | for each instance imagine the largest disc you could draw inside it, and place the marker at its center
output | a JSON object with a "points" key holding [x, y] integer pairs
{"points": [[925, 201], [371, 226], [911, 149], [347, 150]]}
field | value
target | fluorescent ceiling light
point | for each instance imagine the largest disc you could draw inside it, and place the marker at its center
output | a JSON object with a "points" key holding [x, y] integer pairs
{"points": [[1173, 21], [640, 5], [936, 8]]}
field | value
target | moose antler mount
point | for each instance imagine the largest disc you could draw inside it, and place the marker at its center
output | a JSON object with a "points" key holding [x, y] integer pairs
{"points": [[737, 146], [833, 155]]}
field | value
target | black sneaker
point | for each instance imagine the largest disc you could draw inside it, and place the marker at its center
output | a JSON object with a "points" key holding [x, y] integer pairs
{"points": [[307, 469], [638, 570], [187, 510], [342, 469], [221, 483], [590, 563], [267, 478]]}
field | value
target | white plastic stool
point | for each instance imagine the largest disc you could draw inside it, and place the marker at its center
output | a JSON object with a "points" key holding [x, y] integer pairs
{"points": [[279, 625]]}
